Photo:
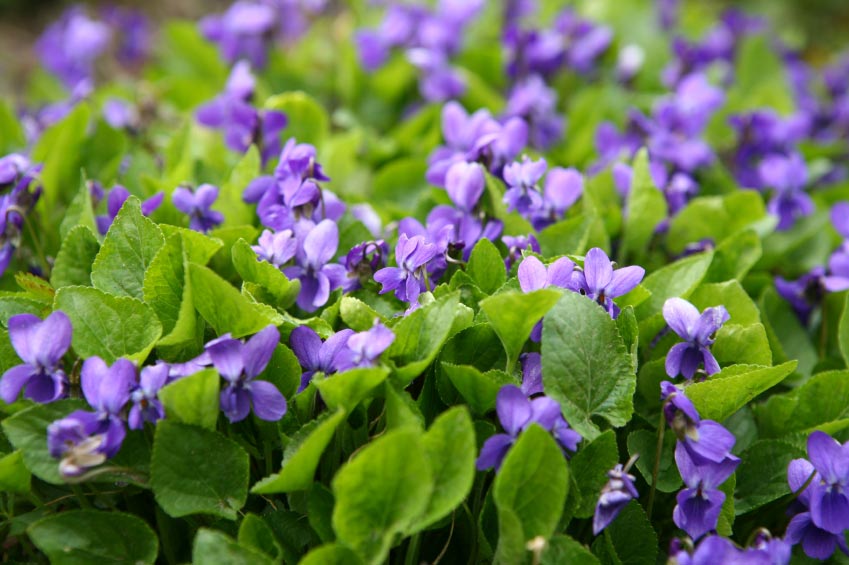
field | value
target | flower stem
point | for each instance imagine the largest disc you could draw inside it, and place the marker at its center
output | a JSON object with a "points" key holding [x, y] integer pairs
{"points": [[412, 555], [656, 469]]}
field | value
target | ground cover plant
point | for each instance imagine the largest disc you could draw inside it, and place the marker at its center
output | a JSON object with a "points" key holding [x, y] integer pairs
{"points": [[319, 282]]}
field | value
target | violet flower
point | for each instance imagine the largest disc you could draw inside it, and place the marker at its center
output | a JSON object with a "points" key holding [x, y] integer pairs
{"points": [[243, 31], [531, 373], [515, 246], [523, 194], [314, 355], [107, 390], [536, 103], [788, 176], [133, 32], [806, 292], [317, 275], [117, 196], [239, 363], [699, 505], [78, 441], [146, 406], [533, 275], [516, 412], [41, 345], [829, 499], [363, 349], [817, 543], [120, 114], [464, 183], [617, 492], [706, 441], [601, 283], [562, 189], [276, 247], [697, 331], [69, 47], [197, 205], [362, 262], [412, 255]]}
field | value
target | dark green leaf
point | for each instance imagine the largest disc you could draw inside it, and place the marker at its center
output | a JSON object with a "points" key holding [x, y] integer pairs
{"points": [[193, 399]]}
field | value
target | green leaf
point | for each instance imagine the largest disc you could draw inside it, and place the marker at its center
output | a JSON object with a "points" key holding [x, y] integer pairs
{"points": [[331, 554], [486, 267], [450, 448], [715, 218], [419, 335], [130, 246], [843, 331], [381, 492], [11, 133], [478, 389], [514, 314], [256, 534], [90, 536], [193, 399], [731, 295], [787, 338], [236, 211], [585, 365], [108, 326], [724, 393], [358, 315], [164, 283], [199, 247], [589, 468], [224, 307], [529, 492], [346, 390], [27, 431], [194, 471], [567, 237], [735, 257], [676, 279], [477, 345], [629, 539], [644, 442], [80, 211], [74, 261], [563, 549], [302, 455], [762, 474], [14, 475], [400, 408], [742, 344], [212, 546], [307, 119], [273, 282], [646, 209], [820, 401]]}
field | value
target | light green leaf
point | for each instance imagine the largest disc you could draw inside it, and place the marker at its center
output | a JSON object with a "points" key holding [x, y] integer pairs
{"points": [[478, 389], [74, 261], [79, 212], [307, 119], [715, 218], [213, 546], [676, 279], [486, 267], [236, 211], [331, 554], [346, 390], [646, 209], [513, 316], [279, 290], [419, 335], [14, 475], [193, 399], [358, 315]]}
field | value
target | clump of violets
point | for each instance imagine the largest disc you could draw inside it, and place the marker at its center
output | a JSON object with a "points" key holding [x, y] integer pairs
{"points": [[698, 331], [242, 124], [20, 193], [765, 550], [517, 412], [70, 46], [787, 176], [617, 492], [602, 283], [197, 204], [315, 355], [115, 200], [542, 206], [277, 248], [409, 279], [41, 345], [239, 363]]}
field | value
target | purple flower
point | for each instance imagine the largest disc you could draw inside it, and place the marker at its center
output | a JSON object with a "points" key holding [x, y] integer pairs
{"points": [[314, 355], [133, 31], [276, 247], [408, 279], [805, 293], [107, 390], [465, 183], [616, 493], [629, 62], [243, 31], [517, 244], [363, 349], [117, 196], [699, 505], [41, 345], [146, 405], [239, 363], [706, 441], [839, 216], [531, 373], [562, 189], [523, 194], [602, 283], [363, 261], [198, 205], [696, 329], [711, 550], [516, 412], [837, 278], [536, 103], [317, 275], [788, 176], [69, 47], [829, 500], [78, 440], [120, 114], [13, 166], [533, 275], [816, 542]]}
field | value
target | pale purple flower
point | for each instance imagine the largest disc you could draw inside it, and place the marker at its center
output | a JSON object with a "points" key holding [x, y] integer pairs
{"points": [[563, 187], [601, 283], [244, 31], [533, 275], [412, 255], [239, 363], [699, 505], [706, 441], [363, 349], [829, 499], [69, 47], [697, 330], [13, 166], [816, 542], [133, 32], [464, 183], [146, 406], [41, 346], [317, 274], [523, 194], [314, 355], [197, 205], [788, 177], [78, 440], [536, 103], [107, 390], [615, 495], [120, 114], [517, 244], [117, 196], [276, 247]]}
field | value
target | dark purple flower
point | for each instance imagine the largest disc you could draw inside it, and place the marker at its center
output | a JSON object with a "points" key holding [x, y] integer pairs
{"points": [[239, 363], [535, 102], [829, 499], [317, 275], [706, 441], [805, 293], [41, 345], [602, 283], [816, 542], [198, 205], [314, 355], [69, 47], [363, 261], [146, 406], [531, 373], [117, 196], [78, 440], [107, 390], [244, 31], [516, 412], [363, 349], [787, 176], [697, 331], [276, 247], [517, 244], [699, 505], [412, 255], [615, 495]]}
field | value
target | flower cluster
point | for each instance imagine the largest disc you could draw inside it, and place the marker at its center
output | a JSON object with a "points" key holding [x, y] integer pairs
{"points": [[19, 192], [696, 330]]}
